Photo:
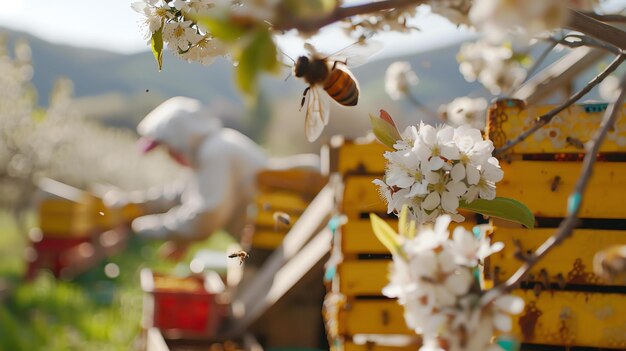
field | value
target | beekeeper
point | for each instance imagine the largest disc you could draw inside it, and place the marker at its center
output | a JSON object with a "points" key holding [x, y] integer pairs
{"points": [[221, 184]]}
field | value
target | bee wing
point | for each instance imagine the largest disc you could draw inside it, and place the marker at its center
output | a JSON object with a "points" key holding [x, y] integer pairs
{"points": [[358, 53], [317, 112]]}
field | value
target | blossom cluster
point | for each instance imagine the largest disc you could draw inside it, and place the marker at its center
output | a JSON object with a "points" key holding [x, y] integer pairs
{"points": [[432, 169], [433, 279], [184, 37], [465, 110], [399, 78]]}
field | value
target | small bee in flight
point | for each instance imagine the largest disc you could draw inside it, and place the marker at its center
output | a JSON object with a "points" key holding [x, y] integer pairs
{"points": [[329, 73], [241, 254]]}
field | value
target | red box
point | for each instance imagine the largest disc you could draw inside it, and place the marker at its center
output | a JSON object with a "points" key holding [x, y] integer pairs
{"points": [[180, 306], [49, 252]]}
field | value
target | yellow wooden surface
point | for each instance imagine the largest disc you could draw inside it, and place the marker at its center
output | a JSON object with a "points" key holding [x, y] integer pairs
{"points": [[266, 219], [361, 196], [300, 180], [573, 258], [357, 237], [61, 206], [351, 346], [267, 239], [361, 158], [281, 201], [530, 182], [372, 317], [65, 226], [573, 319], [507, 122], [363, 277]]}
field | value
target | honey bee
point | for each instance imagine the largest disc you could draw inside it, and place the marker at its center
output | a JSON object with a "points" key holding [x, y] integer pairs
{"points": [[281, 219], [241, 254], [331, 74], [610, 264]]}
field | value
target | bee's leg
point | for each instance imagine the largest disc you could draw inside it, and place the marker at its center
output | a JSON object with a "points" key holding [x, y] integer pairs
{"points": [[304, 97], [344, 62]]}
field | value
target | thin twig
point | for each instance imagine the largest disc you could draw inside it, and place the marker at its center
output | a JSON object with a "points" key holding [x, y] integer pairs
{"points": [[575, 199], [604, 32], [340, 13], [546, 118], [585, 40]]}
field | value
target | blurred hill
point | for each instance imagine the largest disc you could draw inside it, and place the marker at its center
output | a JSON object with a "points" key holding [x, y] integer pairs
{"points": [[120, 89]]}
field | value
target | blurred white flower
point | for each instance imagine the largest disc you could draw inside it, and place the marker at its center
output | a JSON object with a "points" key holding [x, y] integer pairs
{"points": [[465, 111], [456, 11], [205, 50], [492, 65], [399, 78], [180, 35], [608, 89], [156, 13], [432, 169], [433, 279]]}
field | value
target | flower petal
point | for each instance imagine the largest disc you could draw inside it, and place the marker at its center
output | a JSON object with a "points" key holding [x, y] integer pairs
{"points": [[431, 201], [458, 172]]}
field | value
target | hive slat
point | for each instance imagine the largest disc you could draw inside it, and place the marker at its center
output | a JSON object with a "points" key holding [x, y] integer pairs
{"points": [[372, 317], [363, 277], [362, 158], [572, 319], [573, 259], [507, 120], [530, 182]]}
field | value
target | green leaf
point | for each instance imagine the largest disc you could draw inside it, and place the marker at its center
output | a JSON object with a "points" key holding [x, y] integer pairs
{"points": [[385, 132], [504, 208], [386, 235], [222, 28], [259, 55], [157, 47]]}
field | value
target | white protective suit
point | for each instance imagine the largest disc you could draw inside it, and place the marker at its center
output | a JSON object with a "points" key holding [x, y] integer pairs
{"points": [[224, 164]]}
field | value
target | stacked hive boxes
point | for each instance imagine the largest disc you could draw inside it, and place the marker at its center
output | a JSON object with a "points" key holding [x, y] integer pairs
{"points": [[566, 303], [358, 316], [282, 197]]}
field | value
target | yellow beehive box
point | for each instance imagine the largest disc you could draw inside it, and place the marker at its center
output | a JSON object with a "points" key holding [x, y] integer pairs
{"points": [[564, 134], [63, 218], [566, 303]]}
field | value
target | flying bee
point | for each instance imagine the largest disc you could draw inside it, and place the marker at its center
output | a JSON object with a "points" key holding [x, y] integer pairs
{"points": [[281, 219], [331, 74], [241, 254]]}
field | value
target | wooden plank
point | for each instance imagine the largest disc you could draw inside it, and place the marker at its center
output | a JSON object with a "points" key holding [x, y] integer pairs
{"points": [[304, 246], [530, 182], [363, 277], [66, 226], [573, 259], [267, 239], [361, 158], [299, 180], [357, 237], [506, 120], [372, 317], [572, 319], [361, 196], [285, 201], [377, 342]]}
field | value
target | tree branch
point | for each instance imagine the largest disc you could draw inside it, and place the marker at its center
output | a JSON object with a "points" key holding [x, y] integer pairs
{"points": [[340, 13], [546, 118], [576, 197], [594, 28], [614, 18]]}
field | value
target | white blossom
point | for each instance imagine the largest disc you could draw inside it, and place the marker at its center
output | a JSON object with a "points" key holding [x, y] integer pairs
{"points": [[180, 35], [456, 11], [155, 12], [465, 111], [494, 66], [399, 78], [608, 89], [433, 279], [434, 168]]}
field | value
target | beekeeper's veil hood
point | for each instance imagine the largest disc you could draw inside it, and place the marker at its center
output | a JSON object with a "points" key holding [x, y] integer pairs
{"points": [[180, 123]]}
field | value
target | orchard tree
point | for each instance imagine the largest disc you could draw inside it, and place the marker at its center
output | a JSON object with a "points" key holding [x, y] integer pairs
{"points": [[431, 171]]}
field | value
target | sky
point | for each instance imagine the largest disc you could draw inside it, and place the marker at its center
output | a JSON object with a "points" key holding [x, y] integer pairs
{"points": [[112, 25]]}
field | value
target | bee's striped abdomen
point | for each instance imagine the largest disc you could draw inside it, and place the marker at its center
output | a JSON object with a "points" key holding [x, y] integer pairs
{"points": [[341, 87]]}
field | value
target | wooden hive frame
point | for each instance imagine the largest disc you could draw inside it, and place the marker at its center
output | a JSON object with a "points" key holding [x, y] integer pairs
{"points": [[567, 304]]}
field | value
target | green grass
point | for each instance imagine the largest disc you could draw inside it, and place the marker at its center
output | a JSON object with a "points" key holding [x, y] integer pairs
{"points": [[91, 312]]}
